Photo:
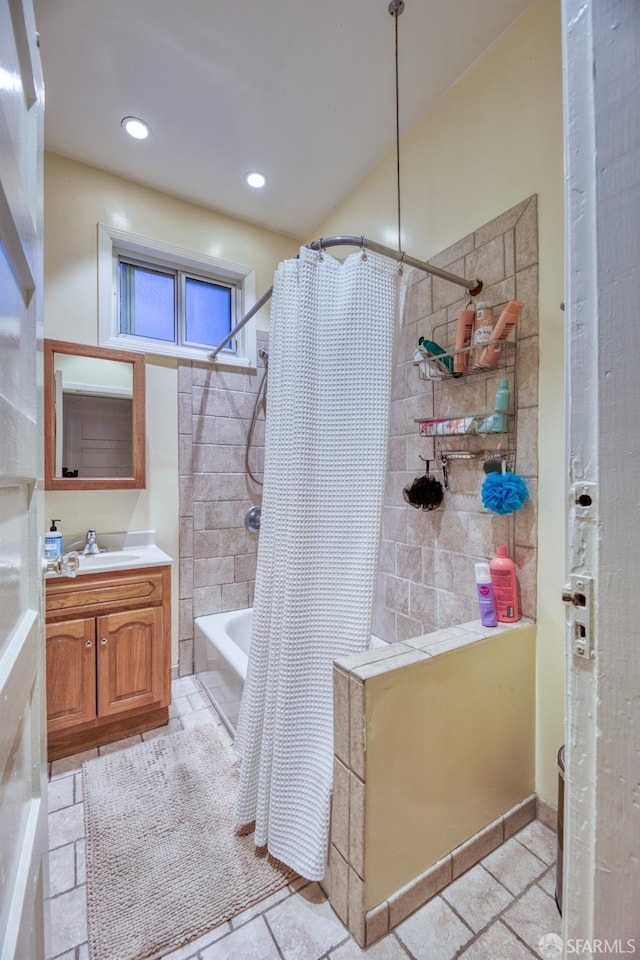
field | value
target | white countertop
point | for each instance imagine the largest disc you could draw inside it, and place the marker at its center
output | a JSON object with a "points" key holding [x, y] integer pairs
{"points": [[120, 551]]}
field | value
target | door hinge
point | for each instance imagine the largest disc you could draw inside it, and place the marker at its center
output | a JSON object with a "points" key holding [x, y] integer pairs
{"points": [[579, 593]]}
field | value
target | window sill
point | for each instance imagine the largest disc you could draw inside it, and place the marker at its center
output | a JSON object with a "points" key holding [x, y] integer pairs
{"points": [[153, 348]]}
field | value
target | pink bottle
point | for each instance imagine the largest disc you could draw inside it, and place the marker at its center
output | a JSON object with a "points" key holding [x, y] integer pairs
{"points": [[464, 333], [506, 322], [505, 586]]}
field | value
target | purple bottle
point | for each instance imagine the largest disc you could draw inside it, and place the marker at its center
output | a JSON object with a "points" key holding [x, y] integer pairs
{"points": [[486, 599]]}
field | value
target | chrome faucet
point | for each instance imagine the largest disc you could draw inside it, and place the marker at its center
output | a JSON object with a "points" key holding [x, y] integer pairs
{"points": [[91, 544]]}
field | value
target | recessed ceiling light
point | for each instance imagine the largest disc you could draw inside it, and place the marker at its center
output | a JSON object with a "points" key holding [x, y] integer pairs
{"points": [[136, 128], [255, 179]]}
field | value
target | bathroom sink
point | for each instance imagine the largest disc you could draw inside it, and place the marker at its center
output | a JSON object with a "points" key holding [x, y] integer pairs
{"points": [[110, 560]]}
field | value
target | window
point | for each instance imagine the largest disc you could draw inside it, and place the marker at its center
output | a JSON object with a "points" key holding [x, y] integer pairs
{"points": [[157, 298]]}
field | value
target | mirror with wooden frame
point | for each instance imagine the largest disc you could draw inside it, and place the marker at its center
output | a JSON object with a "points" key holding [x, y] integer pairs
{"points": [[94, 415]]}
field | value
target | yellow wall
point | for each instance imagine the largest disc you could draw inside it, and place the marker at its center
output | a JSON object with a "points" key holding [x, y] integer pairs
{"points": [[450, 748], [77, 198], [492, 140]]}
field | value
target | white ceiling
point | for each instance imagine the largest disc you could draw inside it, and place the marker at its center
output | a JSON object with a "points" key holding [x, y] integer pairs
{"points": [[300, 89]]}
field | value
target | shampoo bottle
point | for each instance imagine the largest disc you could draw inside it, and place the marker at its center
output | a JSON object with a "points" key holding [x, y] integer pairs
{"points": [[506, 322], [486, 600], [464, 332], [505, 586], [53, 541], [483, 330]]}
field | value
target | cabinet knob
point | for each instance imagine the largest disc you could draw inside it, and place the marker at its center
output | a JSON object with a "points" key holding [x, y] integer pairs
{"points": [[103, 640], [89, 643]]}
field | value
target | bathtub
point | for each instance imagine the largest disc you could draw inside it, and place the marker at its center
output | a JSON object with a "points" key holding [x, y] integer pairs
{"points": [[221, 653]]}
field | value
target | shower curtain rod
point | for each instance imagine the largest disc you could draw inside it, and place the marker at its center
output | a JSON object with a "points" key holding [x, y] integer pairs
{"points": [[473, 286]]}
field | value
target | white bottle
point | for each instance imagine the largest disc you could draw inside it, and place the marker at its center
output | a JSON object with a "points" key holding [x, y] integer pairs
{"points": [[53, 541]]}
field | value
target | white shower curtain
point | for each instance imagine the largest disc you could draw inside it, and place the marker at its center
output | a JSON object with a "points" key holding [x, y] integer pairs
{"points": [[331, 356]]}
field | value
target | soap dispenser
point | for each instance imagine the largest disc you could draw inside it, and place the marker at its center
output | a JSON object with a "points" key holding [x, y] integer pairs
{"points": [[53, 541]]}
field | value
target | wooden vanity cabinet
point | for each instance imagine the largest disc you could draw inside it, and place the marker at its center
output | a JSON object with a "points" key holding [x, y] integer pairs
{"points": [[108, 657]]}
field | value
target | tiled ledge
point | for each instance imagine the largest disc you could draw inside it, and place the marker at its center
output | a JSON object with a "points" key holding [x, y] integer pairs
{"points": [[403, 653], [347, 875]]}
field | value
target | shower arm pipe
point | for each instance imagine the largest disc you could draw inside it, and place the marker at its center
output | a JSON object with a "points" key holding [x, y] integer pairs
{"points": [[473, 286]]}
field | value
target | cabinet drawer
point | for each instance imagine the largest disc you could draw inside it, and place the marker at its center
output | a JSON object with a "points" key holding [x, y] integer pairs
{"points": [[119, 590]]}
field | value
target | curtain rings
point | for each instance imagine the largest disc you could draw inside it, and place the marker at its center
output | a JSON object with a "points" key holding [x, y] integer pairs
{"points": [[401, 267], [320, 248], [363, 249]]}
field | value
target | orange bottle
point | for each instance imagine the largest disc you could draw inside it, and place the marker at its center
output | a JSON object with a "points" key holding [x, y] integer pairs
{"points": [[506, 322], [505, 586]]}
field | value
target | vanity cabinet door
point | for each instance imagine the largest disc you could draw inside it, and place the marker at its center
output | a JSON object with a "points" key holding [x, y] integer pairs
{"points": [[133, 670], [71, 673]]}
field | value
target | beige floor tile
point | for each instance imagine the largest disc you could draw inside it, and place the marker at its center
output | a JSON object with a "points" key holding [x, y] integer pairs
{"points": [[198, 717], [251, 942], [259, 908], [66, 825], [180, 706], [540, 840], [532, 916], [68, 921], [197, 701], [72, 764], [60, 793], [434, 932], [477, 897], [174, 726], [548, 882], [62, 869], [514, 866], [304, 926], [192, 949], [184, 686], [497, 943], [386, 949]]}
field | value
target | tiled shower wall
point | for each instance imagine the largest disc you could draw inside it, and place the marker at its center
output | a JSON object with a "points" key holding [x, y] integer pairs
{"points": [[426, 576], [217, 553]]}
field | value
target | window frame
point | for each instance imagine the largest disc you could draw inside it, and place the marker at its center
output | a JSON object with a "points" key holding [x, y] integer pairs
{"points": [[114, 243]]}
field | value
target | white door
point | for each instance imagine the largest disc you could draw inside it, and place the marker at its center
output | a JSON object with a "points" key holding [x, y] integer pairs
{"points": [[22, 723], [601, 44]]}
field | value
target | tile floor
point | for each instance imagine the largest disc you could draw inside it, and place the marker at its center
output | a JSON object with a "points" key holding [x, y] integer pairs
{"points": [[496, 911]]}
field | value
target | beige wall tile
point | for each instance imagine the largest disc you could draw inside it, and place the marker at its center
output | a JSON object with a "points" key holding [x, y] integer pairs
{"points": [[447, 259], [502, 224], [547, 813], [186, 619], [422, 605], [528, 372], [376, 923], [527, 236], [235, 596], [212, 571], [339, 883], [486, 262], [356, 824], [340, 808], [186, 578], [207, 600], [519, 816], [468, 854], [185, 661], [406, 628], [444, 292], [356, 908], [415, 894], [341, 739], [356, 727], [527, 291], [397, 594]]}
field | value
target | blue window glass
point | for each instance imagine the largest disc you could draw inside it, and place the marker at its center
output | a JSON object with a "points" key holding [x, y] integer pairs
{"points": [[147, 302], [207, 311]]}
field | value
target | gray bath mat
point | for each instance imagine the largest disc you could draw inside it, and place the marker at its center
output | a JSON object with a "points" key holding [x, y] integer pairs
{"points": [[164, 864]]}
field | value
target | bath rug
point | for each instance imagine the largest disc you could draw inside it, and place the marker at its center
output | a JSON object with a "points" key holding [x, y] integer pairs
{"points": [[164, 864]]}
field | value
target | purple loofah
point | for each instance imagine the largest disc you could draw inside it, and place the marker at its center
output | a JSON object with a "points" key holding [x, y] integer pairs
{"points": [[504, 492]]}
